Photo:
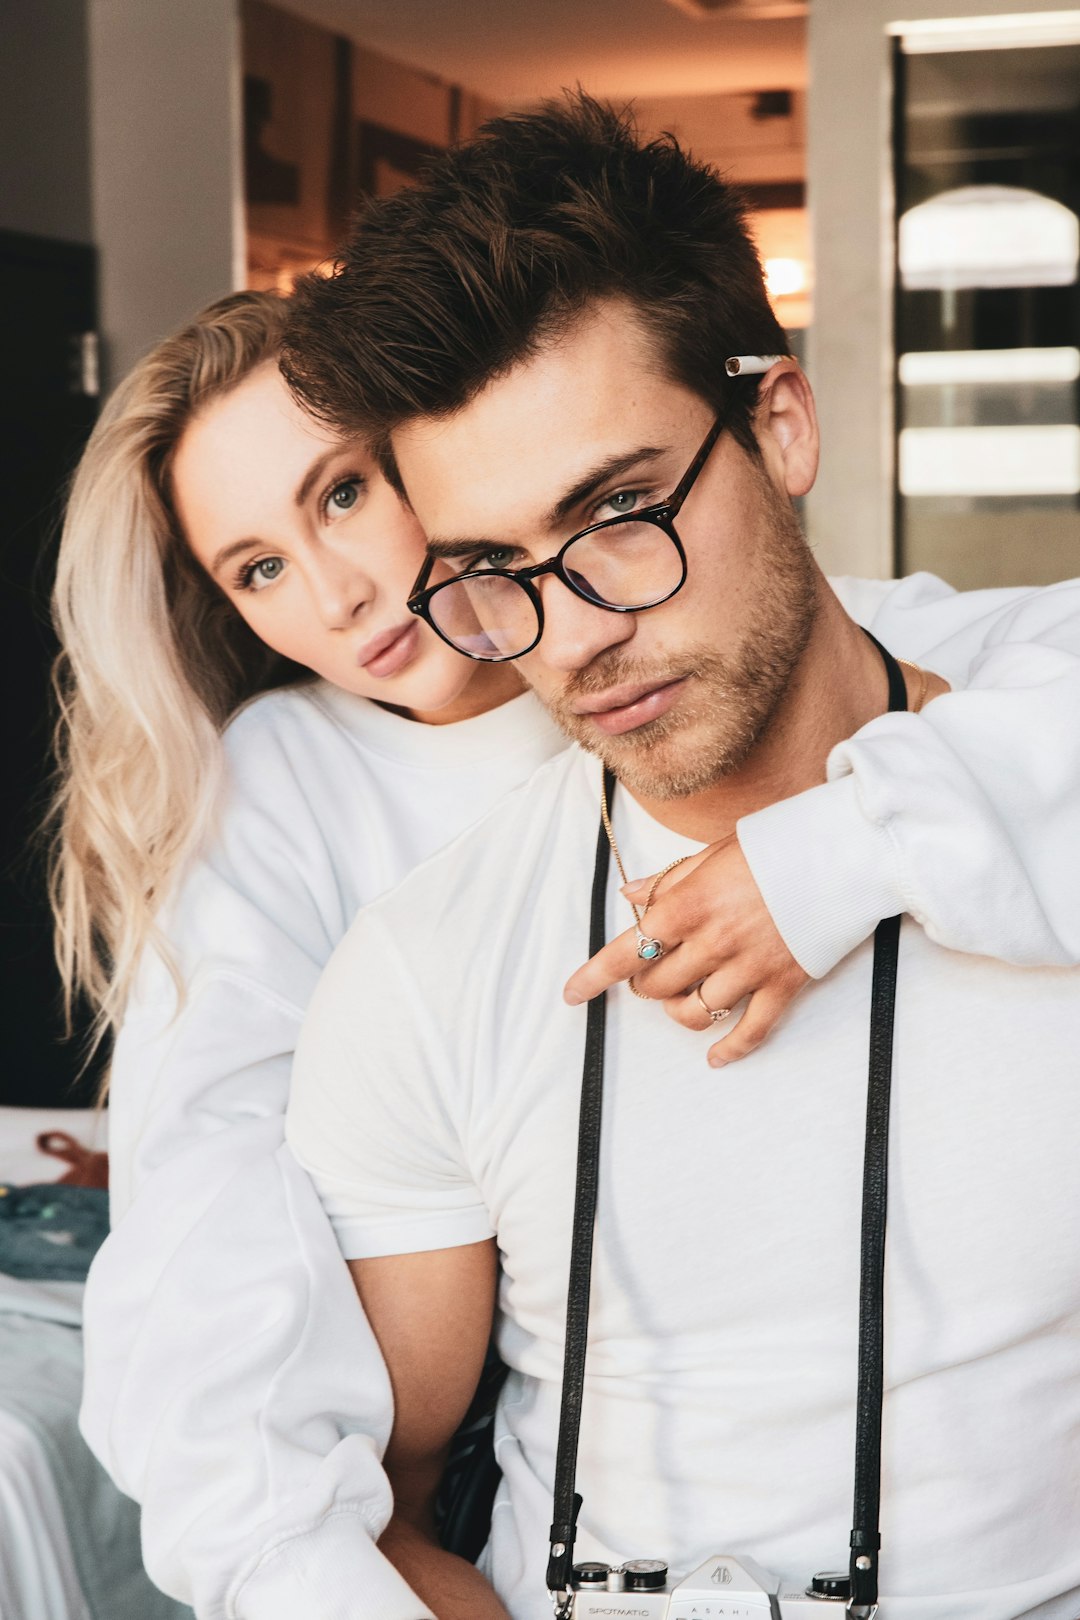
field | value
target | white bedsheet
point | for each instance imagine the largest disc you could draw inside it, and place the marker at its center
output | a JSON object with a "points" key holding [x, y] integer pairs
{"points": [[38, 1580], [69, 1541]]}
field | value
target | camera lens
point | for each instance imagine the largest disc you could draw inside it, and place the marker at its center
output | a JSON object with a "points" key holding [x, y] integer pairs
{"points": [[645, 1574]]}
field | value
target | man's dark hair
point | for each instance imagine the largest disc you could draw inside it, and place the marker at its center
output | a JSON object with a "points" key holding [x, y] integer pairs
{"points": [[506, 239]]}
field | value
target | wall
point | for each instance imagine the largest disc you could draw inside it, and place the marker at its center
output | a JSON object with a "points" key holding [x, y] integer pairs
{"points": [[166, 165], [325, 119], [758, 139], [45, 120], [851, 208]]}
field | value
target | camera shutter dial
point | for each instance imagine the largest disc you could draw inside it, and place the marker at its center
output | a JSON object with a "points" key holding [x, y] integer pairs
{"points": [[645, 1575], [589, 1575], [835, 1584]]}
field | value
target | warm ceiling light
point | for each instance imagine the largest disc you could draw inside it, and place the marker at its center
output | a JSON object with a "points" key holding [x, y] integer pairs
{"points": [[784, 277]]}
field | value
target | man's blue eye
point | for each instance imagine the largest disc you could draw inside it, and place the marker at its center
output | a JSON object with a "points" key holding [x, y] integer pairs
{"points": [[345, 496], [625, 501]]}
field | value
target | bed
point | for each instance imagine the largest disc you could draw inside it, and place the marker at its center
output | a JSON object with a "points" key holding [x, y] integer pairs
{"points": [[69, 1541]]}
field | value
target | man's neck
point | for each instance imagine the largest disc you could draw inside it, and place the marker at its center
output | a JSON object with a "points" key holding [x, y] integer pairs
{"points": [[838, 685]]}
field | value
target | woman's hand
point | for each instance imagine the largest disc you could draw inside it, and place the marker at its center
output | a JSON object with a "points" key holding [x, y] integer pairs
{"points": [[719, 936]]}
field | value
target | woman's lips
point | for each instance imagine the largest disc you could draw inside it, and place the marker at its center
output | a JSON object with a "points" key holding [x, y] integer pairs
{"points": [[642, 707], [389, 653]]}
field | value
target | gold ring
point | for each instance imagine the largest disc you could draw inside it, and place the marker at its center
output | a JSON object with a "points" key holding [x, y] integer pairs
{"points": [[716, 1014]]}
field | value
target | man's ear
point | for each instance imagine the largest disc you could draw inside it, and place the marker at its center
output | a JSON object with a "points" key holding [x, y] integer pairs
{"points": [[785, 424]]}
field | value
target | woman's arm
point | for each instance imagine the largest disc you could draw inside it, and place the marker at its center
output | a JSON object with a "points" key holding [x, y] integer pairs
{"points": [[233, 1386], [966, 816]]}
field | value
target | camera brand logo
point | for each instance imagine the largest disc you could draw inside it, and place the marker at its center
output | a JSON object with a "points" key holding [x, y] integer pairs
{"points": [[721, 1575]]}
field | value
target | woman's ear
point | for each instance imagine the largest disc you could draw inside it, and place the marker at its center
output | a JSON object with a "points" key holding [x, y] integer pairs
{"points": [[785, 422]]}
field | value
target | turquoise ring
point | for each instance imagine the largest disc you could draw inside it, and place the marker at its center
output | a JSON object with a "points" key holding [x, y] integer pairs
{"points": [[649, 950]]}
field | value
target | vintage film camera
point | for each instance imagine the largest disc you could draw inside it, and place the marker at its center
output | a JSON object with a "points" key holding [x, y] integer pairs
{"points": [[722, 1588]]}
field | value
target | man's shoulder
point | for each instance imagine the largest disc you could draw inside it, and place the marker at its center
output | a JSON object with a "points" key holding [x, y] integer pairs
{"points": [[450, 902]]}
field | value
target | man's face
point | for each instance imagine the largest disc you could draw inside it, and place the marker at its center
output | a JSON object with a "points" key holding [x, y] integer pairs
{"points": [[675, 697]]}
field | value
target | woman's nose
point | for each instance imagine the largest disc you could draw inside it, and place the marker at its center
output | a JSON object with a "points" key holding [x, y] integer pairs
{"points": [[340, 589]]}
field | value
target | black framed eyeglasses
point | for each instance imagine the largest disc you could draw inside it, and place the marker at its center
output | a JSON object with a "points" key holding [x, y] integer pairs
{"points": [[623, 564]]}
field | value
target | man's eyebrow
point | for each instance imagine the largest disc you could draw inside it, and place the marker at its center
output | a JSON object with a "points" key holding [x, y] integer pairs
{"points": [[610, 467], [588, 484], [459, 548]]}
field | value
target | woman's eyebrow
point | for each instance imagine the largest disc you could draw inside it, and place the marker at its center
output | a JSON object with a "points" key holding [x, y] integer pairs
{"points": [[315, 472], [233, 549]]}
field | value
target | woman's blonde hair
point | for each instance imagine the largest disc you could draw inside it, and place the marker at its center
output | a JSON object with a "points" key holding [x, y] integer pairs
{"points": [[154, 660]]}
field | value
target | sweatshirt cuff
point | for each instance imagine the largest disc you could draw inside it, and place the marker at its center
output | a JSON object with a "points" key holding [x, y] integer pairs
{"points": [[333, 1571], [826, 872]]}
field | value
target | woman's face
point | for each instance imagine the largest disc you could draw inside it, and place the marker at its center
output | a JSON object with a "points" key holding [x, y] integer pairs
{"points": [[315, 550]]}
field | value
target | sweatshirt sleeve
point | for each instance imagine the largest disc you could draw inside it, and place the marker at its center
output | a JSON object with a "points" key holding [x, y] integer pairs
{"points": [[966, 816], [233, 1385], [235, 1389]]}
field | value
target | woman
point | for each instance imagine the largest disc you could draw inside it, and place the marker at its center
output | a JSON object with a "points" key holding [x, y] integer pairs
{"points": [[227, 563]]}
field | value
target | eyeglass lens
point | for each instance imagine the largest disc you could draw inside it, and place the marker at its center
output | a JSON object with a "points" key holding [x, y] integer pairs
{"points": [[629, 564]]}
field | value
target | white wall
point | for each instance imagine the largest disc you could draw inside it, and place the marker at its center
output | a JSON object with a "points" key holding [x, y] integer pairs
{"points": [[44, 119], [851, 206], [166, 160]]}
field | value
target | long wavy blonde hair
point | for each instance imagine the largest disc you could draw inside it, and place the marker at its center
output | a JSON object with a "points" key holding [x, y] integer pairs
{"points": [[154, 660]]}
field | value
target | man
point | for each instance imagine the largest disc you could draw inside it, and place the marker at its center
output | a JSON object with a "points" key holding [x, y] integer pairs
{"points": [[540, 335]]}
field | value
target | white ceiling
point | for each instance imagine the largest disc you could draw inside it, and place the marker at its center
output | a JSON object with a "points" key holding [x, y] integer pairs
{"points": [[515, 50]]}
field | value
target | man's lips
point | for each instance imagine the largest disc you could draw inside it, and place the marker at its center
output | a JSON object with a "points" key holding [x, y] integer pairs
{"points": [[623, 708], [389, 651]]}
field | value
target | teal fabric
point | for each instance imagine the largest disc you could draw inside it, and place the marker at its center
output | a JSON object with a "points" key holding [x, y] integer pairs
{"points": [[51, 1233]]}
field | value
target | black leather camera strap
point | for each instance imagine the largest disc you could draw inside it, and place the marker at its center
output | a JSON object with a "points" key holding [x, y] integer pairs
{"points": [[865, 1537]]}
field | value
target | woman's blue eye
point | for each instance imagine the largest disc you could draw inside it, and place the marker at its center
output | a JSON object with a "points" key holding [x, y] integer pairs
{"points": [[344, 496], [256, 575]]}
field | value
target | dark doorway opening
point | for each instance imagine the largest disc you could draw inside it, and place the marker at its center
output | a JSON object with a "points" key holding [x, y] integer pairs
{"points": [[48, 320]]}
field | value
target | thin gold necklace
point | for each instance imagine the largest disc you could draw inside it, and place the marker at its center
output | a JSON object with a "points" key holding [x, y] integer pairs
{"points": [[924, 681], [649, 949]]}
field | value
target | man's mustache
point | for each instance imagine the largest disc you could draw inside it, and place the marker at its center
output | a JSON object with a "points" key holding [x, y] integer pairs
{"points": [[610, 670]]}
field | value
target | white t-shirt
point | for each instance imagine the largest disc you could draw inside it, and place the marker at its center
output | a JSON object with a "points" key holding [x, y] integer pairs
{"points": [[720, 1387], [233, 1386]]}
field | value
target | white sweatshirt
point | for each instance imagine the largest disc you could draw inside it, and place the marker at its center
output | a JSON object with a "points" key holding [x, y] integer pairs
{"points": [[232, 1384]]}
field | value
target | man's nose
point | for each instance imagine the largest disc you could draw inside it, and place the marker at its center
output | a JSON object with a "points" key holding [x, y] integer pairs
{"points": [[576, 631], [339, 588]]}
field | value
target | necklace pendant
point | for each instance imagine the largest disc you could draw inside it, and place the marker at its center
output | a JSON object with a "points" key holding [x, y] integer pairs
{"points": [[649, 950]]}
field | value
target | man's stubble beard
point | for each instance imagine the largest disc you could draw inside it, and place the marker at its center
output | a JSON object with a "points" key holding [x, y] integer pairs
{"points": [[731, 701]]}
